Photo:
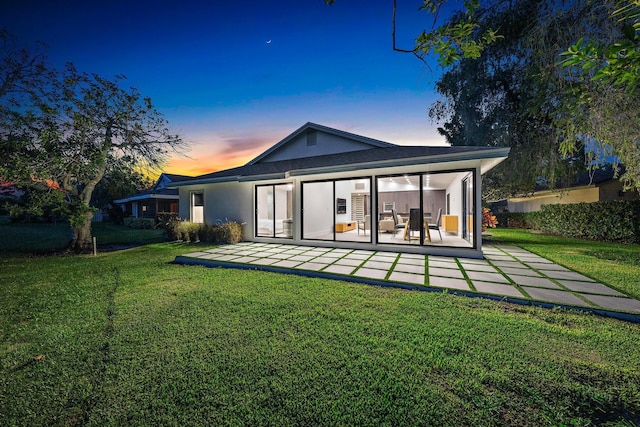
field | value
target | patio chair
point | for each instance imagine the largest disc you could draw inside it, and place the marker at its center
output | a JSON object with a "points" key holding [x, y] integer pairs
{"points": [[436, 226], [398, 222], [415, 223], [365, 225]]}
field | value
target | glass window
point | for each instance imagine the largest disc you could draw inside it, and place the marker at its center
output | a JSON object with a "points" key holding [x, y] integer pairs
{"points": [[337, 210], [197, 208], [274, 208], [428, 209], [399, 219]]}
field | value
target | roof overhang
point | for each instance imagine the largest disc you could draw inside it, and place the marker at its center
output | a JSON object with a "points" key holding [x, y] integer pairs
{"points": [[488, 159], [148, 196]]}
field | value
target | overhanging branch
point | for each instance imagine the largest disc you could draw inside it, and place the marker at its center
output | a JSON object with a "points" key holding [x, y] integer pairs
{"points": [[393, 38]]}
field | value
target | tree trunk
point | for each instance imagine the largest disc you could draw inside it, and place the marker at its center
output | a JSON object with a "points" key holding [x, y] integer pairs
{"points": [[82, 241]]}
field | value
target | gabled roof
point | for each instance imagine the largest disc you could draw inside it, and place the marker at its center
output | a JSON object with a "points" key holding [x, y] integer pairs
{"points": [[159, 189], [372, 143], [394, 155], [172, 177], [168, 178]]}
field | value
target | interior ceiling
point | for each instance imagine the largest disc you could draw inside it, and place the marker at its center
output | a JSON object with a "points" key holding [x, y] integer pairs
{"points": [[435, 181]]}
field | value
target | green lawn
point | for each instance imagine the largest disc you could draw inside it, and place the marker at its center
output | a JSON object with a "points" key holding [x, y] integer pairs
{"points": [[46, 238], [128, 338]]}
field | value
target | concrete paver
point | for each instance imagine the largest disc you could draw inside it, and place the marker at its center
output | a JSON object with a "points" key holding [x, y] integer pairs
{"points": [[340, 269], [408, 268], [400, 276], [378, 265], [445, 272], [497, 289], [532, 277], [449, 283], [487, 277], [538, 282], [443, 264], [348, 261], [370, 273], [569, 275], [519, 271], [479, 267], [589, 287], [614, 303], [554, 296], [313, 266]]}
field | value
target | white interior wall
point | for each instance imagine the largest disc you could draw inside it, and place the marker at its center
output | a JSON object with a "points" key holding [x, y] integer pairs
{"points": [[317, 209], [454, 189], [343, 191], [281, 201]]}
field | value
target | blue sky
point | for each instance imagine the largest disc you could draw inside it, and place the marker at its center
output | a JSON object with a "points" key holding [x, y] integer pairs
{"points": [[209, 68]]}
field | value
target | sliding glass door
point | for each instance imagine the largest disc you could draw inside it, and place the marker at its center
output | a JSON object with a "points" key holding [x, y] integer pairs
{"points": [[337, 210], [274, 210], [434, 208], [468, 208]]}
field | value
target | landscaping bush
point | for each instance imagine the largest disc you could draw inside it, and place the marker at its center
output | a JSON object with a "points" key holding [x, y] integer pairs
{"points": [[140, 223], [607, 221], [228, 232], [170, 223], [525, 220]]}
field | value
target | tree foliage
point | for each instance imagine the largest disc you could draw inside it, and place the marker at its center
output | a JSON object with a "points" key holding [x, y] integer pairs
{"points": [[507, 83], [68, 128], [601, 82], [516, 95], [499, 99], [616, 61]]}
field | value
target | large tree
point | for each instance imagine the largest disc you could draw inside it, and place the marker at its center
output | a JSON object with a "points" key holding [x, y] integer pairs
{"points": [[602, 86], [492, 101], [71, 130], [590, 95], [516, 94]]}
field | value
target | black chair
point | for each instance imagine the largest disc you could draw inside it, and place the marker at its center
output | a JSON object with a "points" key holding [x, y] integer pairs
{"points": [[436, 226], [397, 220], [415, 221]]}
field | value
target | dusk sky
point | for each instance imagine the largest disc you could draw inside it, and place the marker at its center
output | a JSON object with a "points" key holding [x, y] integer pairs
{"points": [[235, 77]]}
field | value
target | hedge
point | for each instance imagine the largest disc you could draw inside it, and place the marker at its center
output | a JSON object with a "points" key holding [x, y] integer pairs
{"points": [[607, 221], [139, 223]]}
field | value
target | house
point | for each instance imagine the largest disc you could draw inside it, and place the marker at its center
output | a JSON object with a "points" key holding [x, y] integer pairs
{"points": [[599, 185], [327, 187], [158, 199]]}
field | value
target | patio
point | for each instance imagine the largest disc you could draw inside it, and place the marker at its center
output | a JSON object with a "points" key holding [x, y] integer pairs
{"points": [[507, 273]]}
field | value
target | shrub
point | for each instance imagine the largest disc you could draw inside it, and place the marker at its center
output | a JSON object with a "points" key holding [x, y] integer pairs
{"points": [[116, 214], [140, 223], [488, 219], [170, 223], [229, 232], [607, 221], [530, 220]]}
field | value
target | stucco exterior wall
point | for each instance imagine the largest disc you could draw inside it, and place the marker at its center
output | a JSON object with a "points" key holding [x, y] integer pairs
{"points": [[324, 144], [534, 203]]}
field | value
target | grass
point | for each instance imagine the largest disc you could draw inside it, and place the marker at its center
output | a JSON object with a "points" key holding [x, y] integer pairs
{"points": [[616, 265], [128, 338], [42, 238]]}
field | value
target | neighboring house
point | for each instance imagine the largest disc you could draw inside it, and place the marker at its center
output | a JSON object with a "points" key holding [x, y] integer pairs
{"points": [[158, 199], [587, 187], [326, 187], [10, 190]]}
